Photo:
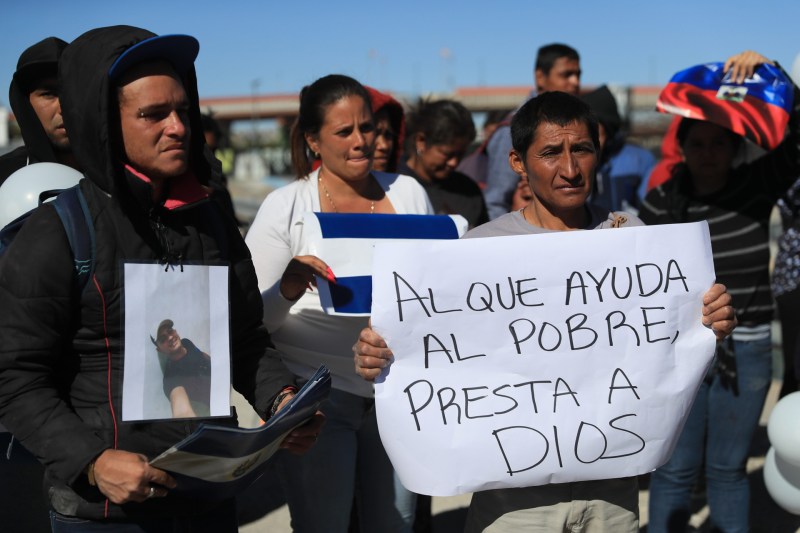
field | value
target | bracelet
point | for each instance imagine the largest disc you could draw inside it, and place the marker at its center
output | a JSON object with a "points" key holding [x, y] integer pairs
{"points": [[286, 391], [90, 474]]}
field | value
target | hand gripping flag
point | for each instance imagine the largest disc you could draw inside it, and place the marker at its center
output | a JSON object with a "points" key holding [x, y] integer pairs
{"points": [[346, 241], [758, 109]]}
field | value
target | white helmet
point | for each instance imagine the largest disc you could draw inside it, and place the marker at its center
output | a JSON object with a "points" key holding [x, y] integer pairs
{"points": [[20, 192]]}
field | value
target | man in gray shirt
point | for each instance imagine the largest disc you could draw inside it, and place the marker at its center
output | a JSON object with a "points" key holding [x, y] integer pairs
{"points": [[555, 148]]}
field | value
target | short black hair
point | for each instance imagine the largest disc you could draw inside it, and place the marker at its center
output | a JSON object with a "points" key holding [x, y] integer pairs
{"points": [[552, 107], [496, 116], [548, 54], [442, 122]]}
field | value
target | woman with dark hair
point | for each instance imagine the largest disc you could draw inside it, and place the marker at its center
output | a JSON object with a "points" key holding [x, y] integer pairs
{"points": [[335, 125], [390, 129], [736, 203], [440, 133]]}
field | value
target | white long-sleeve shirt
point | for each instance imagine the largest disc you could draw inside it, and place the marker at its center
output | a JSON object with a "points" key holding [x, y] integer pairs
{"points": [[300, 329]]}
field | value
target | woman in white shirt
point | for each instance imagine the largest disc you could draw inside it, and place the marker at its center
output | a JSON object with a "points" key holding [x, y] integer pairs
{"points": [[335, 126]]}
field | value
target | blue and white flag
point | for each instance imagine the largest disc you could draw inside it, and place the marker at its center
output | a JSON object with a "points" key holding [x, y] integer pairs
{"points": [[346, 242]]}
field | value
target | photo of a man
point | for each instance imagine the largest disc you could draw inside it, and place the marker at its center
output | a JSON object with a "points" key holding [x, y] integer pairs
{"points": [[175, 319], [187, 372]]}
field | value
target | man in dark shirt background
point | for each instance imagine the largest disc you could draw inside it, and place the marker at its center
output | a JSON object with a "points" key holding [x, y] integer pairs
{"points": [[187, 373], [33, 96]]}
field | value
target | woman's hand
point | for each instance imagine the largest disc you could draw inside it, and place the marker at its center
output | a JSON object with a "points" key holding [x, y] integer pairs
{"points": [[371, 354], [718, 313], [299, 275], [744, 64]]}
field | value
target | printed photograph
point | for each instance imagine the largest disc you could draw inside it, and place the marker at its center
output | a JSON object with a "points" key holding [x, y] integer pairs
{"points": [[177, 342]]}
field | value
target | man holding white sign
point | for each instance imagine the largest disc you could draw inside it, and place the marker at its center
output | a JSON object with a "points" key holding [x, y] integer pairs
{"points": [[559, 427]]}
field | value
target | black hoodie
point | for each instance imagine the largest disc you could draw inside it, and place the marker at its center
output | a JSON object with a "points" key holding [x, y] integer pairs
{"points": [[37, 62], [61, 359]]}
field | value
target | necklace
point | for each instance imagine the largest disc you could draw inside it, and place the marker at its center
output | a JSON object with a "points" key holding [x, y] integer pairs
{"points": [[333, 204]]}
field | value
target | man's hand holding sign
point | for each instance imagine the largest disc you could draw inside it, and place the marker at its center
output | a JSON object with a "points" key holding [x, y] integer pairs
{"points": [[549, 373]]}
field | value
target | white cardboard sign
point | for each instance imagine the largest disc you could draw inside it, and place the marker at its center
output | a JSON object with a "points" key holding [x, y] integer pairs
{"points": [[536, 359]]}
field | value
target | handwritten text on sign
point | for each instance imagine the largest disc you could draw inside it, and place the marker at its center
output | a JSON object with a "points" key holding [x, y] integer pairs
{"points": [[541, 358]]}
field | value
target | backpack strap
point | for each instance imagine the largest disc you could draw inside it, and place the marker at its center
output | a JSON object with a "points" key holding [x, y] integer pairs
{"points": [[74, 214]]}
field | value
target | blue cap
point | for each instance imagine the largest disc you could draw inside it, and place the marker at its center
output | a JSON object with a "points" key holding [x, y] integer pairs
{"points": [[180, 50]]}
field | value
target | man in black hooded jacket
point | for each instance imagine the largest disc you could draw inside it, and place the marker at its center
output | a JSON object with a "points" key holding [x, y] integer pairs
{"points": [[33, 96], [130, 104]]}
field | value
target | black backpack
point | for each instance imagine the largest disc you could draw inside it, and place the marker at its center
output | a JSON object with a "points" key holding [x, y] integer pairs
{"points": [[70, 204]]}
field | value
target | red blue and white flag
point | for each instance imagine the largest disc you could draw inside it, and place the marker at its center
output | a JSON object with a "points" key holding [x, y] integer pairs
{"points": [[346, 242], [758, 109]]}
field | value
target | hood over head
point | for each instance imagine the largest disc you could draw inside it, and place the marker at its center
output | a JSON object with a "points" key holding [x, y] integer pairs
{"points": [[604, 106], [380, 101], [88, 69], [35, 63]]}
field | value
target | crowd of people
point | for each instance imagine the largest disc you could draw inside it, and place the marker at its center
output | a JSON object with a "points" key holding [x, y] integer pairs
{"points": [[121, 105]]}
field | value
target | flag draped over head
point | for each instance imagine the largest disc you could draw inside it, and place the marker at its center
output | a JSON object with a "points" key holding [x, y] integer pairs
{"points": [[758, 108]]}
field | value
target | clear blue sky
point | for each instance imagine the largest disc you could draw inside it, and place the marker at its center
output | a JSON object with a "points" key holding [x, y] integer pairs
{"points": [[419, 46]]}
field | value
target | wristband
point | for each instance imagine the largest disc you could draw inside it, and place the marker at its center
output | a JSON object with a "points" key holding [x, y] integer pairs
{"points": [[90, 474], [286, 391]]}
